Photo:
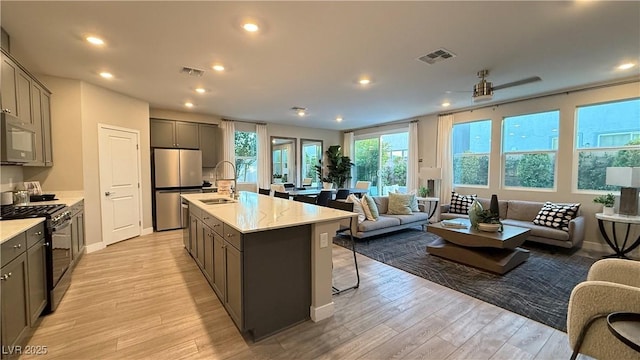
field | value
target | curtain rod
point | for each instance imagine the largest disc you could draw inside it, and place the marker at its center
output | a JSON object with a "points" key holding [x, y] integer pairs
{"points": [[399, 122], [245, 121], [566, 92]]}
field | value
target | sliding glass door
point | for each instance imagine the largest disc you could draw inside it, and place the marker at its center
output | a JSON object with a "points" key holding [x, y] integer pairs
{"points": [[382, 160]]}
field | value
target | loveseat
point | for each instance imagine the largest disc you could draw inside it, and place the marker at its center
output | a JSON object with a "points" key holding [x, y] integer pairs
{"points": [[522, 213], [386, 222]]}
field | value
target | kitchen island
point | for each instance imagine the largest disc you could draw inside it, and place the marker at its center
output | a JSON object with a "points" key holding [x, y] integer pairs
{"points": [[269, 260]]}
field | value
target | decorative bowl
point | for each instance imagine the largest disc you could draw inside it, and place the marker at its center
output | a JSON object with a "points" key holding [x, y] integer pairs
{"points": [[488, 227]]}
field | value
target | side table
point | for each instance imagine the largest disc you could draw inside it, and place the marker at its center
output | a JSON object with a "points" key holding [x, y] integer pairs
{"points": [[627, 246], [430, 204]]}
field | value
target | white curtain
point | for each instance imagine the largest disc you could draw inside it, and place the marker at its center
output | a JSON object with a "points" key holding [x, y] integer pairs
{"points": [[412, 166], [349, 150], [264, 160], [444, 158], [228, 148]]}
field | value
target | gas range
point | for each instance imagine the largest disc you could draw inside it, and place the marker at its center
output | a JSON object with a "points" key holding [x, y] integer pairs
{"points": [[55, 214]]}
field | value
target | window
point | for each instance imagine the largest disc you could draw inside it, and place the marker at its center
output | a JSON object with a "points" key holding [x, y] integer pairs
{"points": [[606, 135], [471, 148], [529, 147], [382, 160], [280, 158], [246, 160]]}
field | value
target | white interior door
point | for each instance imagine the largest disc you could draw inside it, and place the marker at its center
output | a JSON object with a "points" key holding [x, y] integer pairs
{"points": [[119, 183]]}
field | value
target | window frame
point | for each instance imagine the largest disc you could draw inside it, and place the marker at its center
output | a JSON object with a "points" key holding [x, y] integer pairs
{"points": [[254, 157]]}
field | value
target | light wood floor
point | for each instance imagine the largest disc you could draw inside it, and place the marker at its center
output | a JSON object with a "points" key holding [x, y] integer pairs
{"points": [[146, 298]]}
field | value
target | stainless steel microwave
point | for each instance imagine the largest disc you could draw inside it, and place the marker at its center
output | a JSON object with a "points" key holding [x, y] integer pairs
{"points": [[18, 142]]}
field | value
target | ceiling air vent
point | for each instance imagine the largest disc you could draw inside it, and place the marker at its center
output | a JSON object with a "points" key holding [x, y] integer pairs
{"points": [[192, 71], [437, 56]]}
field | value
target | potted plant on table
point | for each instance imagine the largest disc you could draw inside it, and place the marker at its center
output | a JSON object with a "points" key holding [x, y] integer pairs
{"points": [[489, 221], [607, 203], [423, 191]]}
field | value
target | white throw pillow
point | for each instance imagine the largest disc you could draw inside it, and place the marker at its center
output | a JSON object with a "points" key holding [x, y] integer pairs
{"points": [[367, 209], [357, 208]]}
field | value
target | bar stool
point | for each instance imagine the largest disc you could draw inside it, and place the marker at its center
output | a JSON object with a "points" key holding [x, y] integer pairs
{"points": [[346, 206], [342, 194], [305, 199], [324, 197], [262, 191], [283, 195]]}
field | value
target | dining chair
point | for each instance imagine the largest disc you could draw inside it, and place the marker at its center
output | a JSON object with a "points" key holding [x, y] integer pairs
{"points": [[305, 199], [306, 182], [277, 187], [324, 197], [363, 184], [264, 191], [283, 195], [342, 194], [346, 206], [288, 186]]}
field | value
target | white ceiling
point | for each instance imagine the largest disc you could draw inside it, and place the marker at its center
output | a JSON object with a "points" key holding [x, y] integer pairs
{"points": [[311, 54]]}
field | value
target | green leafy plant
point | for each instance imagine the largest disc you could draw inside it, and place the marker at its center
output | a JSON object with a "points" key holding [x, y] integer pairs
{"points": [[339, 167], [605, 200], [423, 191], [489, 217], [320, 173]]}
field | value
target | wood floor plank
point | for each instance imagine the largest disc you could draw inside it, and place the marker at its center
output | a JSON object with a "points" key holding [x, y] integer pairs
{"points": [[145, 298]]}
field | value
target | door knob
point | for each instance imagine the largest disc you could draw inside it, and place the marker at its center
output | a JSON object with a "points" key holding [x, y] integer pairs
{"points": [[108, 193]]}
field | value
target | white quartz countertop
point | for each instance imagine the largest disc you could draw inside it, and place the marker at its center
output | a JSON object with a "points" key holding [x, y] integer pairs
{"points": [[11, 228], [252, 212], [60, 199]]}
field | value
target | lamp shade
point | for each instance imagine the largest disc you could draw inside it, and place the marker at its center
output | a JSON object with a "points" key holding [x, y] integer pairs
{"points": [[430, 173], [623, 176]]}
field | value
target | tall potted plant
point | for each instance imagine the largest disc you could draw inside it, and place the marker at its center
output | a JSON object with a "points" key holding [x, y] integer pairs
{"points": [[326, 181], [339, 166]]}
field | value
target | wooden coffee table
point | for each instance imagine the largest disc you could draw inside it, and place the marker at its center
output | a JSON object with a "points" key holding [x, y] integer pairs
{"points": [[492, 251]]}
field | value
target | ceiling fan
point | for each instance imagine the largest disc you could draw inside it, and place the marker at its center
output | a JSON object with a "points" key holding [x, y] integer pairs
{"points": [[483, 91]]}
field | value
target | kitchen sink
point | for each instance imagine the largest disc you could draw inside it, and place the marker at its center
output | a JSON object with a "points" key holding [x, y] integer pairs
{"points": [[214, 201]]}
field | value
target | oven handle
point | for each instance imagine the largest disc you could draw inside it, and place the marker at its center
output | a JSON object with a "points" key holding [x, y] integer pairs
{"points": [[61, 226]]}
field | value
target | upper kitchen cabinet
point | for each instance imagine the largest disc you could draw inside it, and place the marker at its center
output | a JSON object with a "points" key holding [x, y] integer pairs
{"points": [[16, 92], [210, 143], [174, 134], [41, 114]]}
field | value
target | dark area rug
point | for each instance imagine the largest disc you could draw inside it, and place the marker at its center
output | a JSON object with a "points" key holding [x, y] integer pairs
{"points": [[538, 289]]}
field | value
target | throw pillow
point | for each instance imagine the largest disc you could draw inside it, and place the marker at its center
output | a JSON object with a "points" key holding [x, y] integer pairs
{"points": [[556, 216], [357, 208], [460, 203], [400, 204], [370, 207]]}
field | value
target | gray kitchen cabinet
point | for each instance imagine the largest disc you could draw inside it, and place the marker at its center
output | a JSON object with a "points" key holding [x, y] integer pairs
{"points": [[208, 254], [200, 243], [210, 144], [14, 289], [193, 235], [233, 283], [9, 95], [218, 279], [77, 232], [174, 134], [37, 270], [23, 89], [41, 115]]}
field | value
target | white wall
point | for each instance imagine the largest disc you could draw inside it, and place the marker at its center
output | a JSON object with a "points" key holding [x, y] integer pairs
{"points": [[567, 104]]}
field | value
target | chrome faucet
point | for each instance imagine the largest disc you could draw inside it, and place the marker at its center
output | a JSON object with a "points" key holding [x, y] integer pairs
{"points": [[233, 189]]}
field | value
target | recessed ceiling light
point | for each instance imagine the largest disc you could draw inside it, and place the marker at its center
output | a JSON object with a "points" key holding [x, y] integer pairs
{"points": [[94, 40], [200, 90], [299, 110], [626, 66], [339, 118], [218, 67], [106, 75], [364, 81], [446, 103], [250, 27], [188, 104]]}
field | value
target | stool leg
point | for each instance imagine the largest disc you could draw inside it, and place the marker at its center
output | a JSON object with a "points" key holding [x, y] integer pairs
{"points": [[355, 261]]}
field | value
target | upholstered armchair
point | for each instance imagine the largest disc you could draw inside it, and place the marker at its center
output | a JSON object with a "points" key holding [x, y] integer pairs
{"points": [[613, 285]]}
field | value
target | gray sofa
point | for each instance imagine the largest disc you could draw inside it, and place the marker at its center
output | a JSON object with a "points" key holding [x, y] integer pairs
{"points": [[521, 213], [386, 222]]}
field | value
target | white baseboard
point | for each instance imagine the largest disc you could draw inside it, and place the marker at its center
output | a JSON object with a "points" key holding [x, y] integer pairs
{"points": [[94, 247], [323, 312], [604, 249], [147, 231]]}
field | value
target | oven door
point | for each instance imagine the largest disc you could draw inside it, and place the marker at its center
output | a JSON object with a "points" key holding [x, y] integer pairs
{"points": [[60, 250]]}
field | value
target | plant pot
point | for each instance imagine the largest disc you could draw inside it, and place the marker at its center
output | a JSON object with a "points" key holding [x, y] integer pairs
{"points": [[607, 210], [327, 185]]}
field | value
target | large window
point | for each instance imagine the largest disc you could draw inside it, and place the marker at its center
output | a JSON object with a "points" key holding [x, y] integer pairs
{"points": [[606, 135], [382, 160], [471, 149], [529, 146], [246, 160]]}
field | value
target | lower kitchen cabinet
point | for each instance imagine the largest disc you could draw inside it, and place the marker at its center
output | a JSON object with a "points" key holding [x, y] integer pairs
{"points": [[77, 232], [14, 289], [218, 279], [232, 298], [208, 254], [23, 285]]}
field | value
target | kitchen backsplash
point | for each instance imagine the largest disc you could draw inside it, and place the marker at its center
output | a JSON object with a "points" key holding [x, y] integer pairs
{"points": [[9, 177]]}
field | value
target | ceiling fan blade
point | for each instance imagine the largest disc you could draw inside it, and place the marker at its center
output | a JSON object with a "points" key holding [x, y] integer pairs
{"points": [[519, 82]]}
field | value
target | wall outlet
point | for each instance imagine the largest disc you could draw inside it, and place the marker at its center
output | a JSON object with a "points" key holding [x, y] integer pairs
{"points": [[324, 240]]}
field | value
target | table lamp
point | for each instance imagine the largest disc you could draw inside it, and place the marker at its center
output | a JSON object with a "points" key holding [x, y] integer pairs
{"points": [[628, 178], [430, 174]]}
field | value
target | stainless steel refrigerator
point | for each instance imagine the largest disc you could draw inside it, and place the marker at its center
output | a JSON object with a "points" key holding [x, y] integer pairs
{"points": [[175, 172]]}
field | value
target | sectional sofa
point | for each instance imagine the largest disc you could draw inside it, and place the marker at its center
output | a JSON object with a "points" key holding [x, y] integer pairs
{"points": [[522, 213], [386, 222]]}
